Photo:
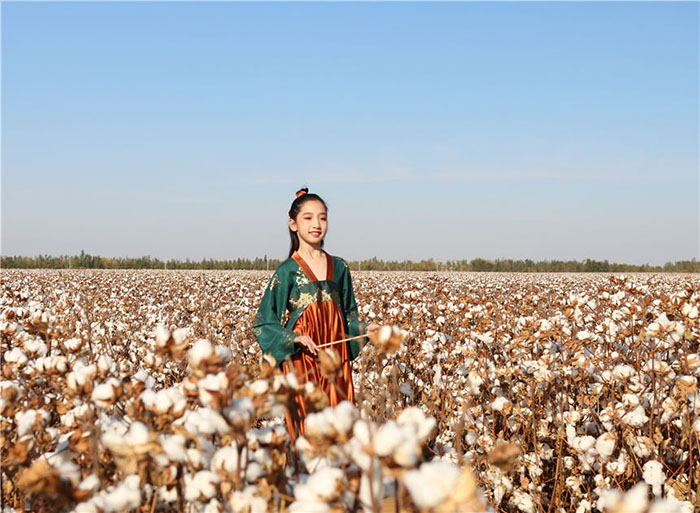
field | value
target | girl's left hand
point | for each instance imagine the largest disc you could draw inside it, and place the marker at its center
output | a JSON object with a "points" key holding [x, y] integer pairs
{"points": [[372, 327]]}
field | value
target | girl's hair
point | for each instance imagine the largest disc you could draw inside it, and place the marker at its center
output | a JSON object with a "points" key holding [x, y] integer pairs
{"points": [[303, 195]]}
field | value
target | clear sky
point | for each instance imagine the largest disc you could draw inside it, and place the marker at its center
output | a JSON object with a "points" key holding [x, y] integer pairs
{"points": [[550, 130]]}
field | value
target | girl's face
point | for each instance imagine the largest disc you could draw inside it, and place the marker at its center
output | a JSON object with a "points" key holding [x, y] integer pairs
{"points": [[311, 224]]}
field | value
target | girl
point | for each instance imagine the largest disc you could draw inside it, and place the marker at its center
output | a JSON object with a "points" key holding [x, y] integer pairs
{"points": [[308, 302]]}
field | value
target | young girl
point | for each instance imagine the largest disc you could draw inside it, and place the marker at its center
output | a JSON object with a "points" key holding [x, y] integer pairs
{"points": [[308, 302]]}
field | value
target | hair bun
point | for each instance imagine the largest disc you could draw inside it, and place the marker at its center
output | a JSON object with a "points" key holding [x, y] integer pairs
{"points": [[302, 191]]}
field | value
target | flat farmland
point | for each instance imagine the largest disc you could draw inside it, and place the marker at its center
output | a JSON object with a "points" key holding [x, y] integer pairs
{"points": [[145, 391]]}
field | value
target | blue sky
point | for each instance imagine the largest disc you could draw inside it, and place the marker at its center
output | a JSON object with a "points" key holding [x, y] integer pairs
{"points": [[444, 130]]}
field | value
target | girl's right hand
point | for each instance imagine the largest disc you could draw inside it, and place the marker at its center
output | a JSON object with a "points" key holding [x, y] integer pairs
{"points": [[305, 341]]}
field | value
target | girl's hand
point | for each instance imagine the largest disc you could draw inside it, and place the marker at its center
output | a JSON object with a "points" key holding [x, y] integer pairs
{"points": [[372, 327], [305, 341]]}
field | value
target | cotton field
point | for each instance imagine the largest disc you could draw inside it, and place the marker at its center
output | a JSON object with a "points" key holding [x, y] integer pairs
{"points": [[145, 391]]}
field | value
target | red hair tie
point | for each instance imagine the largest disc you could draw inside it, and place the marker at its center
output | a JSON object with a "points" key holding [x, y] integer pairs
{"points": [[301, 193]]}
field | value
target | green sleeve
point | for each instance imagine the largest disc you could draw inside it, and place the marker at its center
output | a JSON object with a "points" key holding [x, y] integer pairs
{"points": [[355, 327], [269, 324]]}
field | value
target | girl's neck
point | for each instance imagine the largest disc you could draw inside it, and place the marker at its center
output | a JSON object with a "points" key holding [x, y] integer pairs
{"points": [[308, 251]]}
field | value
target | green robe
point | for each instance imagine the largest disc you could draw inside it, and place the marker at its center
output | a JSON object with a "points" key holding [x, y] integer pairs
{"points": [[289, 293]]}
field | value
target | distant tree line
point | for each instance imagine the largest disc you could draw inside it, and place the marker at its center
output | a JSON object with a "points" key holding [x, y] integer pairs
{"points": [[87, 261]]}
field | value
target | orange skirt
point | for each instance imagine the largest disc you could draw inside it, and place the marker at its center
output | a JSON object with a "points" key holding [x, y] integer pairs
{"points": [[323, 323]]}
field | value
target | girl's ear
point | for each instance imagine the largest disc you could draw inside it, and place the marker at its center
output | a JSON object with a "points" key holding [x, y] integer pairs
{"points": [[293, 225]]}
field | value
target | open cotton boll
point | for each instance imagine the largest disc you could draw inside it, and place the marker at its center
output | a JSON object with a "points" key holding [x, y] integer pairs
{"points": [[432, 483], [319, 424], [16, 356], [308, 507], [247, 501], [605, 445], [203, 484], [226, 461], [170, 400], [104, 394], [344, 416], [423, 423], [653, 474], [201, 350], [174, 447], [106, 365], [26, 420], [500, 403], [162, 335], [635, 500], [523, 501], [125, 496], [325, 483], [637, 417], [205, 421], [138, 434], [72, 344], [89, 484]]}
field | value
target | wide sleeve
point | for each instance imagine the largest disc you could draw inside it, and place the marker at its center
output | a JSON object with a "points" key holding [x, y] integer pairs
{"points": [[269, 324], [355, 327]]}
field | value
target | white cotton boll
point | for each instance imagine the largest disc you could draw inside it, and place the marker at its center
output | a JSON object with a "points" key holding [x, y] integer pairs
{"points": [[89, 484], [388, 437], [145, 378], [201, 350], [170, 399], [498, 403], [619, 465], [584, 443], [584, 335], [319, 424], [608, 499], [225, 460], [174, 447], [180, 335], [432, 483], [259, 387], [254, 471], [308, 507], [72, 344], [407, 452], [25, 421], [203, 484], [690, 312], [605, 445], [475, 381], [413, 415], [205, 421], [246, 500], [106, 365], [630, 400], [125, 496], [635, 500], [523, 501], [583, 506], [64, 465], [325, 483], [162, 335], [343, 417], [138, 434], [240, 411], [636, 417], [223, 353], [148, 398], [15, 355], [653, 474], [35, 347]]}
